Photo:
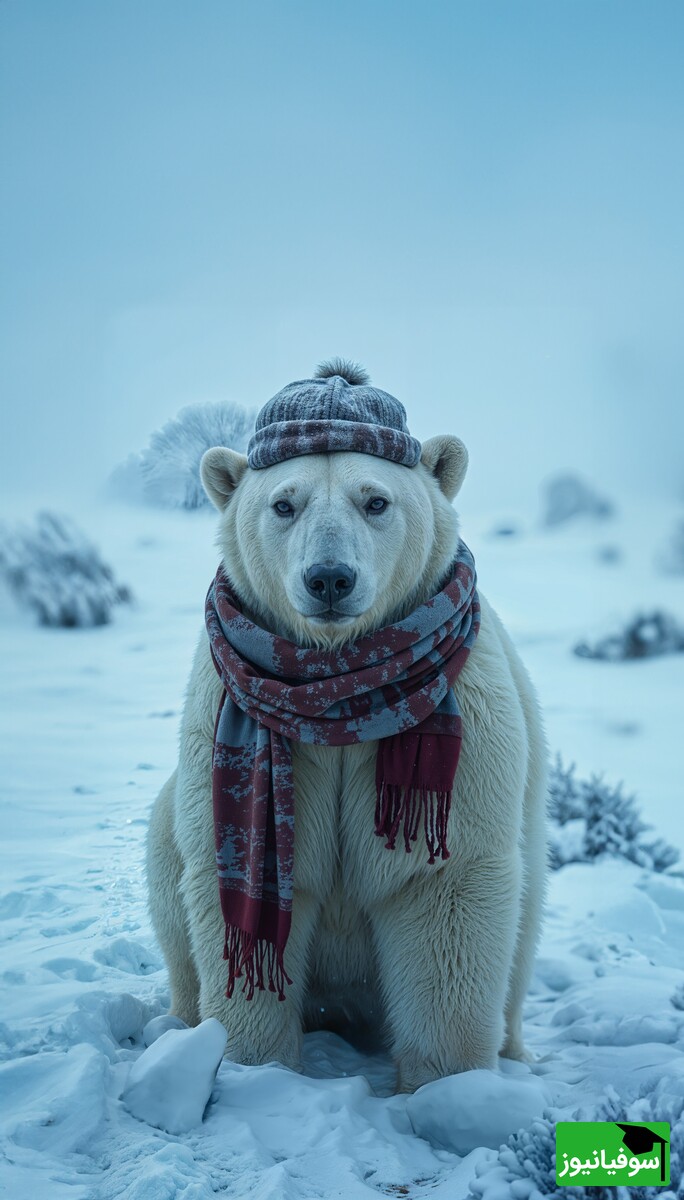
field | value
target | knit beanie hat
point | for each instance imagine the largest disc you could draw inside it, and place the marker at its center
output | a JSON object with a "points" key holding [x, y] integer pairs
{"points": [[336, 410]]}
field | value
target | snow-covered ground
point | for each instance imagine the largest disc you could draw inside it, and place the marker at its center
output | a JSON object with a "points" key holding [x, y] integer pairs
{"points": [[92, 722]]}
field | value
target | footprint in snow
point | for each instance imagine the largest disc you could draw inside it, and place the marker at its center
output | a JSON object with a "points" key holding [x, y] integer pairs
{"points": [[30, 903], [62, 930], [73, 968]]}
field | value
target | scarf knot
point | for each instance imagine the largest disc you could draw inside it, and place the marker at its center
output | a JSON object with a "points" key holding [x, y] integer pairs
{"points": [[393, 686]]}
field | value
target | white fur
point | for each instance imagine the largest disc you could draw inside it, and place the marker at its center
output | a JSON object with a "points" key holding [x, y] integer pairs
{"points": [[439, 956]]}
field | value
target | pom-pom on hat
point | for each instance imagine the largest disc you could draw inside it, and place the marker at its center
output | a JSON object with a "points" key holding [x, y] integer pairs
{"points": [[336, 410]]}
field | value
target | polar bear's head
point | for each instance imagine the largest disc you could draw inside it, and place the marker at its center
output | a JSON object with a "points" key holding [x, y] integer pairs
{"points": [[325, 547]]}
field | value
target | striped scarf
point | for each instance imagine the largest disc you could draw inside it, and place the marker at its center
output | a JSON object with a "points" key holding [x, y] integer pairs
{"points": [[393, 686]]}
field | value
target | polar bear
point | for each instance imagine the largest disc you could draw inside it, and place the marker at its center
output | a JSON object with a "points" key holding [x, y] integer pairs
{"points": [[439, 957]]}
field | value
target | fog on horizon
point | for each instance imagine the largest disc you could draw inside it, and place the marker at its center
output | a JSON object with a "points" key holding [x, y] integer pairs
{"points": [[481, 203]]}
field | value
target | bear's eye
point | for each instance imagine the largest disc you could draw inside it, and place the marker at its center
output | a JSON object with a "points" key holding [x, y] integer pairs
{"points": [[283, 509], [377, 505]]}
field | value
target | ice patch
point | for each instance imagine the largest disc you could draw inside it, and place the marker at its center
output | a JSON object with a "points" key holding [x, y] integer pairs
{"points": [[170, 1085]]}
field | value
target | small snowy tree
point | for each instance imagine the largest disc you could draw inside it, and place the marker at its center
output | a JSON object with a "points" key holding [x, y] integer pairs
{"points": [[58, 574], [169, 467], [589, 818]]}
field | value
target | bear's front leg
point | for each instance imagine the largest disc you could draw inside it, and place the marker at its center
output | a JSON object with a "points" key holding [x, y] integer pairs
{"points": [[445, 945], [263, 1029]]}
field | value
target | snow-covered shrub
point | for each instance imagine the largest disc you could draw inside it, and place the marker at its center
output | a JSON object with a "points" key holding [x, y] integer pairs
{"points": [[54, 570], [644, 636], [167, 471], [590, 817], [526, 1165], [568, 496], [671, 558], [662, 1101]]}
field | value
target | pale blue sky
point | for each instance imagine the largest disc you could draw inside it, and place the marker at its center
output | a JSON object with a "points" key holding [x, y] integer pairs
{"points": [[481, 201]]}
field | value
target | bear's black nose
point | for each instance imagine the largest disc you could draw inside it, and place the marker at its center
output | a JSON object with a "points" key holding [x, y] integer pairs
{"points": [[329, 582]]}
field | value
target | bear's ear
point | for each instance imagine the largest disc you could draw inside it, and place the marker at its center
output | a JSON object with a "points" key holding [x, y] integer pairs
{"points": [[221, 470], [447, 458]]}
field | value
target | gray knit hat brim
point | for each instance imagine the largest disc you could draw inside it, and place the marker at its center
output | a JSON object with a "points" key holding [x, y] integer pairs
{"points": [[290, 439], [336, 410]]}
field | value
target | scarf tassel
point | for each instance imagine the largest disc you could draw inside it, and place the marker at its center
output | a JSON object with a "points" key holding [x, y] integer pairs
{"points": [[257, 959], [395, 804]]}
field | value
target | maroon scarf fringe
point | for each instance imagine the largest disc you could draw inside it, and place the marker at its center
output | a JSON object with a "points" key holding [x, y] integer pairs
{"points": [[395, 804], [249, 955]]}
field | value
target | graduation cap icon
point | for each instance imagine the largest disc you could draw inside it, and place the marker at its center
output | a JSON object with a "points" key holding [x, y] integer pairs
{"points": [[639, 1139]]}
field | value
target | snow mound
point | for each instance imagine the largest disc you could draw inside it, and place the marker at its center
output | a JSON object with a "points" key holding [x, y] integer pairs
{"points": [[159, 1025], [123, 954], [476, 1108], [170, 1085], [54, 1102], [111, 1022]]}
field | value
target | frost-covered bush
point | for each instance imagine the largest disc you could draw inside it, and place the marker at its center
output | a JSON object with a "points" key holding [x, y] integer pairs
{"points": [[590, 817], [568, 496], [54, 570], [526, 1165], [663, 1101], [644, 636], [167, 471]]}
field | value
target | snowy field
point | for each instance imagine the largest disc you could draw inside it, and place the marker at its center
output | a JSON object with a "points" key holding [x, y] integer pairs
{"points": [[92, 722]]}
